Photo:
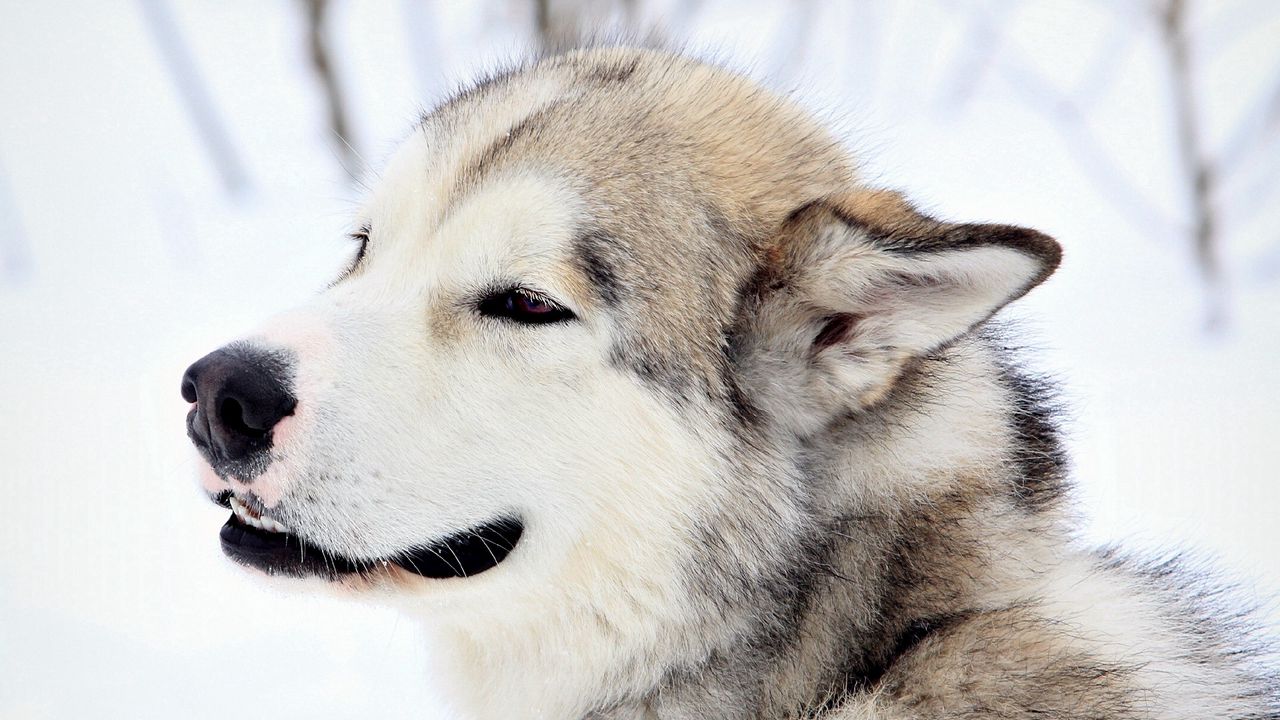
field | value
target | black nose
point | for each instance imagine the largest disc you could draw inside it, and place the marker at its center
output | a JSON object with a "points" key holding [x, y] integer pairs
{"points": [[240, 393]]}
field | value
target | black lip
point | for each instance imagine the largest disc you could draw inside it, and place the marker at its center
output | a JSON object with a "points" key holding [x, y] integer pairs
{"points": [[466, 553], [461, 554], [280, 553]]}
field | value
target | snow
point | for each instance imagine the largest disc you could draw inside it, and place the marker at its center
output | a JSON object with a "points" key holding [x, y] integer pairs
{"points": [[124, 259]]}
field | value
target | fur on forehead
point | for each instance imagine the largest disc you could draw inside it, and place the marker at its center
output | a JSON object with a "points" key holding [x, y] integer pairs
{"points": [[651, 134], [676, 163]]}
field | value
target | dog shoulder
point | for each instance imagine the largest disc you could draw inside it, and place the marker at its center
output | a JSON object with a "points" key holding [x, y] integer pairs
{"points": [[1100, 636]]}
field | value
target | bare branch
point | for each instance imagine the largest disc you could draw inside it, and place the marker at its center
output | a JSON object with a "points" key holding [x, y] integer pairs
{"points": [[1231, 21], [1266, 266], [1197, 167], [1256, 126], [1248, 195], [422, 40], [862, 71], [317, 12], [567, 24], [686, 13], [1101, 74], [195, 95], [543, 23], [1040, 94], [976, 57], [791, 43], [562, 25]]}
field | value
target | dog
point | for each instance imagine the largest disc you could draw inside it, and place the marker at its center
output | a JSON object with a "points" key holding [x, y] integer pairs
{"points": [[648, 407]]}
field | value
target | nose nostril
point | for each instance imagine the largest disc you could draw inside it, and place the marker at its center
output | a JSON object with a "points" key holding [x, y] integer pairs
{"points": [[189, 390], [239, 395], [231, 415]]}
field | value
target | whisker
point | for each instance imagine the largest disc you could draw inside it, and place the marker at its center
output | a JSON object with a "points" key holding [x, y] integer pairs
{"points": [[486, 547]]}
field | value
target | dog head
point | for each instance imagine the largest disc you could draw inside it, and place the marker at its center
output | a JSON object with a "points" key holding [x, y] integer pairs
{"points": [[596, 305]]}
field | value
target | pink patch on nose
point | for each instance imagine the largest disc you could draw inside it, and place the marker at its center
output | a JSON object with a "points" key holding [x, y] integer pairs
{"points": [[269, 487], [287, 439], [210, 481], [304, 332], [284, 430]]}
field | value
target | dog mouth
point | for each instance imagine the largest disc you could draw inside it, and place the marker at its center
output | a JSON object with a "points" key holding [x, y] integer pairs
{"points": [[253, 538]]}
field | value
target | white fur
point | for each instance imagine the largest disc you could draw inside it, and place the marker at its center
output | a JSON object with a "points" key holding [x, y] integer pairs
{"points": [[417, 417], [417, 434]]}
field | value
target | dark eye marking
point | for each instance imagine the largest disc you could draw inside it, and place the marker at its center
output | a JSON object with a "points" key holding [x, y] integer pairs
{"points": [[520, 305], [361, 236]]}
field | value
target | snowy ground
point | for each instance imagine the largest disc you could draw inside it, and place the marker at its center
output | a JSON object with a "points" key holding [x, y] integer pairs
{"points": [[123, 259]]}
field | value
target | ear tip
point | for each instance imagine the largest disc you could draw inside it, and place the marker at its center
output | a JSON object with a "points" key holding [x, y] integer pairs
{"points": [[1048, 249], [1032, 242]]}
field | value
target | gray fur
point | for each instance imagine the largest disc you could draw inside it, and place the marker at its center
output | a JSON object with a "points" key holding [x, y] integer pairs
{"points": [[877, 611], [885, 531]]}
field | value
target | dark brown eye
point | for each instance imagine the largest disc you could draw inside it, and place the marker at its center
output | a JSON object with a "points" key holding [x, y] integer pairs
{"points": [[523, 306], [361, 237]]}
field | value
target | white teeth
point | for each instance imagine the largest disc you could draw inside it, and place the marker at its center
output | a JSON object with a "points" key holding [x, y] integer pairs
{"points": [[272, 525], [251, 518]]}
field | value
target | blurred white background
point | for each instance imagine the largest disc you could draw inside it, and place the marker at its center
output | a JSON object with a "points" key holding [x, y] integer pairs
{"points": [[169, 176]]}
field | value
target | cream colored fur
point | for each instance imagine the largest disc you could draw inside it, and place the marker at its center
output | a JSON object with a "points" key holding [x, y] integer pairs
{"points": [[776, 466]]}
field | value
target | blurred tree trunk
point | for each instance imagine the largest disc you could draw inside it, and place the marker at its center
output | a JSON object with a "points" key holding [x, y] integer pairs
{"points": [[1197, 166], [420, 23], [195, 96], [317, 15], [566, 24]]}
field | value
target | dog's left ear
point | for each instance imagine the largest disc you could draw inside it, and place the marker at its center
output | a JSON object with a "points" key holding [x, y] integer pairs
{"points": [[857, 286]]}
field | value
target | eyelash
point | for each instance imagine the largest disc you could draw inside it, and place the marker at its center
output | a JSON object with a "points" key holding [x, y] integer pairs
{"points": [[361, 236], [527, 307]]}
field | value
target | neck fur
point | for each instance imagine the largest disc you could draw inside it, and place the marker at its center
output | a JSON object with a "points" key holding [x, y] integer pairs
{"points": [[911, 503]]}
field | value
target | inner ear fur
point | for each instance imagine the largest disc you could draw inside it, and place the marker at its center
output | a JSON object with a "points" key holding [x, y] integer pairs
{"points": [[859, 284], [870, 253], [889, 222]]}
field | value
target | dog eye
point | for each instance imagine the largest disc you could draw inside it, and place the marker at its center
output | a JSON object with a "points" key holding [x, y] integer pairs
{"points": [[361, 236], [524, 306]]}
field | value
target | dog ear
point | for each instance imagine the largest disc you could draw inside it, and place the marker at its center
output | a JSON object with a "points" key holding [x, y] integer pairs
{"points": [[855, 287]]}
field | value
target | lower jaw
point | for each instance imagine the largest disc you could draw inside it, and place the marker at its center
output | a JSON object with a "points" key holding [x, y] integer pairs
{"points": [[460, 555], [282, 553]]}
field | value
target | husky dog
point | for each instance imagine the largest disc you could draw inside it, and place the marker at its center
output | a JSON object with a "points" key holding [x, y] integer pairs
{"points": [[649, 408]]}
